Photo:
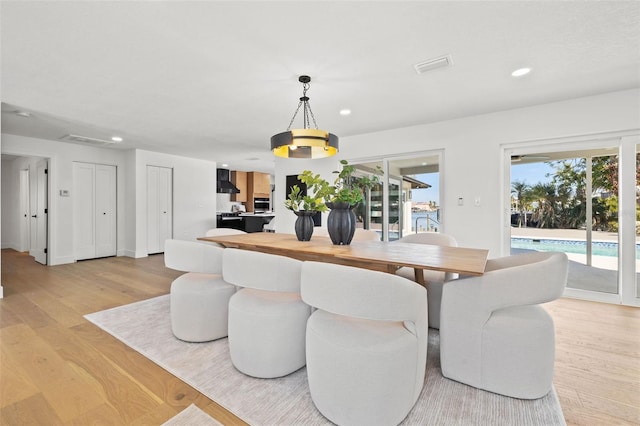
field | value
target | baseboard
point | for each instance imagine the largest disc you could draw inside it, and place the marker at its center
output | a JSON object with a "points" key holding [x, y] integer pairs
{"points": [[132, 253], [62, 260]]}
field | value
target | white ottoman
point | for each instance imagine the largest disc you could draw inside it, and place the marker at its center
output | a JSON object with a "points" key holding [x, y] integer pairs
{"points": [[200, 307]]}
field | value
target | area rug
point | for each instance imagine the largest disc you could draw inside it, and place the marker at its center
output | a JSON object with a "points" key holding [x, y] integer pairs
{"points": [[145, 326], [192, 416]]}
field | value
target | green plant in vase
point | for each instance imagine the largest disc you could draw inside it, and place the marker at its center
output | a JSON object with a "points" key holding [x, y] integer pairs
{"points": [[306, 206], [346, 193]]}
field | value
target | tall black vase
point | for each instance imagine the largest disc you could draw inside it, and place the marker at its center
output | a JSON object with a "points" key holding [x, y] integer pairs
{"points": [[304, 225], [341, 223]]}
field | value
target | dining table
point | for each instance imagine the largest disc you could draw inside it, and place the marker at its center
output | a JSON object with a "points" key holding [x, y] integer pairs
{"points": [[374, 255]]}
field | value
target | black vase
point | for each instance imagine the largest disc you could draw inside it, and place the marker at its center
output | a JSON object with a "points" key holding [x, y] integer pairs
{"points": [[341, 223], [304, 225]]}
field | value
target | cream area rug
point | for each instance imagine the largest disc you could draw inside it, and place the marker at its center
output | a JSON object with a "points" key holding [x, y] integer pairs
{"points": [[145, 326], [192, 416]]}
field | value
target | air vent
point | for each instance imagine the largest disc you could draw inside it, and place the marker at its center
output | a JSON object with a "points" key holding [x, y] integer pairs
{"points": [[432, 64], [87, 140]]}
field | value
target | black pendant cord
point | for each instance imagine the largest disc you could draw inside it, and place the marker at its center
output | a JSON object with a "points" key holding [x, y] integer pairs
{"points": [[304, 100]]}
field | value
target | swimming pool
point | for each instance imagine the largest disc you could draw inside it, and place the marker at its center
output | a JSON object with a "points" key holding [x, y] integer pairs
{"points": [[598, 248]]}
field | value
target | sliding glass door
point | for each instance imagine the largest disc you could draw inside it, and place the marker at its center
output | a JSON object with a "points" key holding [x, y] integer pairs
{"points": [[582, 201], [408, 198]]}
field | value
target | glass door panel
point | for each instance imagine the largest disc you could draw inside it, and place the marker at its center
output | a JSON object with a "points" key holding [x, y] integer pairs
{"points": [[568, 202]]}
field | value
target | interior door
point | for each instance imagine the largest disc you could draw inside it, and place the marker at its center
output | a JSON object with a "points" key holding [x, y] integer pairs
{"points": [[159, 207], [105, 210], [25, 244], [84, 213], [39, 251]]}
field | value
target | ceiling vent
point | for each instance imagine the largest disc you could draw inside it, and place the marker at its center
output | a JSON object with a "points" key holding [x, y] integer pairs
{"points": [[432, 64], [87, 140]]}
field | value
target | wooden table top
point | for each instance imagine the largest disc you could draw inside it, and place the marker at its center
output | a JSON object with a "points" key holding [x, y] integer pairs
{"points": [[377, 255]]}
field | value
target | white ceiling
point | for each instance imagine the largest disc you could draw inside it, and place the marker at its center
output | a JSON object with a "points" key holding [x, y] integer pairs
{"points": [[215, 80]]}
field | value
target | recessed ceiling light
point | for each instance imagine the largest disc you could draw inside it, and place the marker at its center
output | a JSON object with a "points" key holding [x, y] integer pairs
{"points": [[345, 111], [116, 139], [424, 164], [520, 72], [225, 165], [23, 114]]}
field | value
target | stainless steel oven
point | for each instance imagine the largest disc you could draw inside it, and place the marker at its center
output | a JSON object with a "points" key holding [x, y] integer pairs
{"points": [[260, 205]]}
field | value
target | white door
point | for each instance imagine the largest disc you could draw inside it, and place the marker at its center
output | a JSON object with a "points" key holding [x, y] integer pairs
{"points": [[39, 251], [94, 210], [25, 244], [159, 207], [84, 214], [105, 208]]}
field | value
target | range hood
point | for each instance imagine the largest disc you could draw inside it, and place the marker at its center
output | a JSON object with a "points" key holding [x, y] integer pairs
{"points": [[223, 183]]}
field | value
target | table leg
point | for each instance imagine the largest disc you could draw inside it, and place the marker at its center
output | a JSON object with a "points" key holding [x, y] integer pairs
{"points": [[419, 276]]}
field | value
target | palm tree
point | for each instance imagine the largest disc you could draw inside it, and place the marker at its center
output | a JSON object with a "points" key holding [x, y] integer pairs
{"points": [[522, 192]]}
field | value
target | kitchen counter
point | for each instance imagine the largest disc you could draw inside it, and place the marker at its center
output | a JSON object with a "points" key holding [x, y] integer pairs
{"points": [[250, 214], [254, 222]]}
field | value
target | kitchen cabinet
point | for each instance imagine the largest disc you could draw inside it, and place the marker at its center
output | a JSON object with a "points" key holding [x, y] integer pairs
{"points": [[239, 179], [258, 186], [259, 183]]}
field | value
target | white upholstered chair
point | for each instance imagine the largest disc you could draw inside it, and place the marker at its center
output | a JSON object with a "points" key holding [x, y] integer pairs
{"points": [[214, 232], [200, 297], [267, 318], [366, 343], [362, 234], [493, 333], [434, 280]]}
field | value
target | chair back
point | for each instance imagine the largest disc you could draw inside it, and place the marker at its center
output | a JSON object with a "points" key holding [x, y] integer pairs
{"points": [[191, 256], [434, 238], [361, 293], [261, 271], [217, 232], [362, 234]]}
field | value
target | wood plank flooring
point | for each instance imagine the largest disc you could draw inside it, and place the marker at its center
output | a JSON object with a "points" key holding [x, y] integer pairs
{"points": [[57, 368]]}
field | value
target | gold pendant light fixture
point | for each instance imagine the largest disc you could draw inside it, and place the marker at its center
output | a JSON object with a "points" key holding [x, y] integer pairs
{"points": [[305, 142]]}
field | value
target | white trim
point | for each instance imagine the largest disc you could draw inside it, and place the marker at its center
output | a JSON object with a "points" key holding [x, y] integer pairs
{"points": [[593, 296], [627, 275]]}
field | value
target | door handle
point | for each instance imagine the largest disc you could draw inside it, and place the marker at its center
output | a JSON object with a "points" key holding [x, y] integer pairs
{"points": [[104, 213], [35, 215]]}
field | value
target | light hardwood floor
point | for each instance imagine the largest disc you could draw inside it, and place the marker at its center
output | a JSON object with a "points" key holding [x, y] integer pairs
{"points": [[57, 368]]}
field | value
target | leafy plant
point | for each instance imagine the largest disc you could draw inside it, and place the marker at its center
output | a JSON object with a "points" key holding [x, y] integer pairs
{"points": [[316, 186], [350, 189], [346, 188]]}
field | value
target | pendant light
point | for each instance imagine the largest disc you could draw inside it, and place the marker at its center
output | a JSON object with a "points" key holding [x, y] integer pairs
{"points": [[305, 142]]}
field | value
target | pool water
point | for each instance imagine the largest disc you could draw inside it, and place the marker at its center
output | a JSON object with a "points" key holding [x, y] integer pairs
{"points": [[598, 248]]}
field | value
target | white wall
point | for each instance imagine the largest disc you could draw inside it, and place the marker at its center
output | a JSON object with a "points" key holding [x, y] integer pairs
{"points": [[194, 196], [194, 193], [61, 157], [473, 161]]}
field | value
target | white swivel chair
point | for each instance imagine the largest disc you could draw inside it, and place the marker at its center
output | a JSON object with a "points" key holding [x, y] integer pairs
{"points": [[493, 333], [216, 232], [199, 298], [434, 280], [366, 343], [267, 318], [362, 234]]}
